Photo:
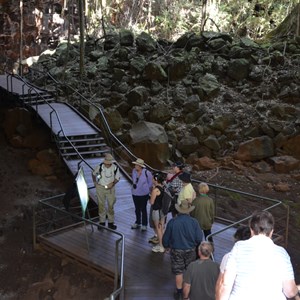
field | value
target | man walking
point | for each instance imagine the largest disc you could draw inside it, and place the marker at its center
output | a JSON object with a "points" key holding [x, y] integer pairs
{"points": [[204, 211], [182, 235], [105, 177], [201, 275], [257, 268]]}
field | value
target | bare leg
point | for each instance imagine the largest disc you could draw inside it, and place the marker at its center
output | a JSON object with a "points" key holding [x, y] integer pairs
{"points": [[179, 281]]}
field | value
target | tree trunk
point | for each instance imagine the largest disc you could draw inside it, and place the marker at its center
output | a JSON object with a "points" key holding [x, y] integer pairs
{"points": [[289, 26], [81, 27]]}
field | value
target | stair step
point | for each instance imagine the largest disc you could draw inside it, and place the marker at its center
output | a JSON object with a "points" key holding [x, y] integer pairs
{"points": [[83, 146], [84, 152], [80, 140]]}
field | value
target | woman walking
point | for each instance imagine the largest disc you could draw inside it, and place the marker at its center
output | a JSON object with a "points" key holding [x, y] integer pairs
{"points": [[156, 205], [141, 188]]}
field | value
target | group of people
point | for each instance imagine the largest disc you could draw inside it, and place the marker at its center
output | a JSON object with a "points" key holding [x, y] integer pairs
{"points": [[255, 268]]}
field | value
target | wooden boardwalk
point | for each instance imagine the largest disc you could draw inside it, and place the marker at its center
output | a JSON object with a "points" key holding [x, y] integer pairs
{"points": [[147, 274]]}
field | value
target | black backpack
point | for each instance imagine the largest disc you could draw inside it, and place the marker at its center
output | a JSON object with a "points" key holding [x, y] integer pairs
{"points": [[167, 199]]}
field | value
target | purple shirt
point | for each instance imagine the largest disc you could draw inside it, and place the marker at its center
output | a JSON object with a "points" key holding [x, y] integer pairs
{"points": [[143, 182]]}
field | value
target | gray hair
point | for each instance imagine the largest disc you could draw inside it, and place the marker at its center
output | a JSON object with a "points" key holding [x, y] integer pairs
{"points": [[206, 248]]}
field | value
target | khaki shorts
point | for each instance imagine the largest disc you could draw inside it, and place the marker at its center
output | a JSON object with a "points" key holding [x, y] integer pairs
{"points": [[156, 215]]}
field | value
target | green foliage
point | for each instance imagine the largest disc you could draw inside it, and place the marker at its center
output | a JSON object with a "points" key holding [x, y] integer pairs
{"points": [[170, 19]]}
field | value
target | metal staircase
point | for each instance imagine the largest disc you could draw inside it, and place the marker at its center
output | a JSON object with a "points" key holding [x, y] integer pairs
{"points": [[87, 146]]}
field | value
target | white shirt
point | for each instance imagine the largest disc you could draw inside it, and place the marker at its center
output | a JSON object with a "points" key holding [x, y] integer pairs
{"points": [[257, 267], [107, 174]]}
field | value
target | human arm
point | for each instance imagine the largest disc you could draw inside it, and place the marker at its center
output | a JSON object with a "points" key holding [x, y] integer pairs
{"points": [[224, 285], [149, 179], [290, 289], [112, 184], [155, 192], [226, 277], [94, 174], [186, 290]]}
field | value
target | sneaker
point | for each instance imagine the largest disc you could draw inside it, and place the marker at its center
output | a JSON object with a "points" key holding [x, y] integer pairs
{"points": [[158, 248], [112, 226], [143, 228], [178, 296], [135, 226], [153, 240]]}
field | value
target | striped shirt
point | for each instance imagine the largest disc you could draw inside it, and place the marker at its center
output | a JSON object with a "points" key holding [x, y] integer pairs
{"points": [[257, 268]]}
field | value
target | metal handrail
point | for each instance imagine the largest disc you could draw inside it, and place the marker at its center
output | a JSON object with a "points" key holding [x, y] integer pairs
{"points": [[119, 290], [119, 265], [36, 91], [112, 138], [109, 134]]}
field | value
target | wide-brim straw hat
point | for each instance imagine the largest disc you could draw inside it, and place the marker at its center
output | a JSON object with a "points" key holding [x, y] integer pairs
{"points": [[139, 162], [185, 207], [108, 159], [185, 177]]}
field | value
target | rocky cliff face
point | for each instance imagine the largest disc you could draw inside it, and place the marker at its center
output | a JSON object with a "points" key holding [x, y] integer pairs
{"points": [[215, 96]]}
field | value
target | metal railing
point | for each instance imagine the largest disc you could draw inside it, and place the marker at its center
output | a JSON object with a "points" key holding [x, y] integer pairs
{"points": [[50, 216], [233, 207], [123, 155], [34, 95]]}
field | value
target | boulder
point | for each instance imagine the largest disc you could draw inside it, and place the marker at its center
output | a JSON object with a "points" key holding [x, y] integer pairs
{"points": [[160, 113], [292, 146], [284, 164], [255, 149], [114, 119], [154, 71], [137, 96], [238, 69], [205, 163], [126, 37], [145, 43], [188, 144], [39, 167], [150, 142]]}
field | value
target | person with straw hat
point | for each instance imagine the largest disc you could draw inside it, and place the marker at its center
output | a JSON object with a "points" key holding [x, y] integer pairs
{"points": [[141, 188], [105, 176], [182, 235]]}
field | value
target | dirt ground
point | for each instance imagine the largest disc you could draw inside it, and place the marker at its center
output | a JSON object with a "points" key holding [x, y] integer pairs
{"points": [[29, 274]]}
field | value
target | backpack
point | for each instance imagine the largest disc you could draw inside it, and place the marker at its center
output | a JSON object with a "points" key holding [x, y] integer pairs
{"points": [[101, 169], [167, 199]]}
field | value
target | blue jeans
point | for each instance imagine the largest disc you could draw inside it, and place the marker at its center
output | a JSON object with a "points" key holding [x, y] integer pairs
{"points": [[140, 204]]}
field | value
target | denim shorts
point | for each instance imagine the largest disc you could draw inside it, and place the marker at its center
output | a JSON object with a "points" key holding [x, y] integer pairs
{"points": [[180, 259]]}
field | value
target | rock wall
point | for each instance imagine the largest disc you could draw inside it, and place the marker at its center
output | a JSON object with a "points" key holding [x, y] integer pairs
{"points": [[43, 26]]}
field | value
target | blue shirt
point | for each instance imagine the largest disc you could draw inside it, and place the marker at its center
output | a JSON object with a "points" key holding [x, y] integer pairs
{"points": [[183, 232], [143, 183]]}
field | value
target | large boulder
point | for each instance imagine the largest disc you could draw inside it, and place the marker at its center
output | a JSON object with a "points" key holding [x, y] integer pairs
{"points": [[285, 163], [150, 142], [255, 149], [292, 146]]}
